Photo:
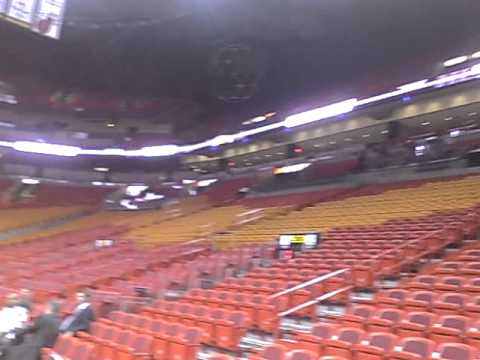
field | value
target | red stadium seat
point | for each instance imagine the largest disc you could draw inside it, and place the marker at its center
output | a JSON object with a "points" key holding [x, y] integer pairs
{"points": [[376, 346], [413, 348], [416, 324], [342, 343], [450, 328], [454, 351]]}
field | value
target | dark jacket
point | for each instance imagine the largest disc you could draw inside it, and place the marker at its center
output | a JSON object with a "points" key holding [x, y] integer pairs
{"points": [[45, 330], [79, 320]]}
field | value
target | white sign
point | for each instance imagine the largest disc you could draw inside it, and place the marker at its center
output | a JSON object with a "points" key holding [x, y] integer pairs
{"points": [[22, 10], [49, 17]]}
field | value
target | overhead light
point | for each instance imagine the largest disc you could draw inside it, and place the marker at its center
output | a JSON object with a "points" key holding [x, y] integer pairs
{"points": [[28, 181], [135, 190], [417, 85], [348, 139], [454, 133], [205, 183], [280, 153], [366, 135], [324, 112], [187, 181], [455, 61], [97, 183], [426, 123], [152, 196], [111, 125], [473, 114], [268, 155], [332, 142], [258, 119], [291, 168], [177, 187], [448, 118], [476, 55], [46, 149], [79, 109], [317, 145], [255, 120], [101, 169], [270, 114], [384, 131]]}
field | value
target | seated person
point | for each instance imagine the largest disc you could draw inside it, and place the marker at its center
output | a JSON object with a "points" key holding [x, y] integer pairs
{"points": [[81, 317], [13, 316], [44, 332]]}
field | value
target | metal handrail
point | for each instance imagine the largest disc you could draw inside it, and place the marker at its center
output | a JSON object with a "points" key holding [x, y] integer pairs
{"points": [[317, 300], [309, 283]]}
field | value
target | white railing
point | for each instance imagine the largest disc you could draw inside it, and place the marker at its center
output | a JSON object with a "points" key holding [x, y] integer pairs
{"points": [[309, 283], [315, 301]]}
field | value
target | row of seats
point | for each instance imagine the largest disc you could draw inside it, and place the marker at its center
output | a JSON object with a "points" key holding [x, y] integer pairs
{"points": [[417, 202], [439, 328], [221, 328], [354, 344]]}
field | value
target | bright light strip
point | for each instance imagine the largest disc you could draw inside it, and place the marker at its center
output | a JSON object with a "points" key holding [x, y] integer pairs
{"points": [[327, 111], [321, 113], [417, 85], [205, 183], [151, 196], [476, 55], [30, 181], [101, 169], [291, 168], [455, 61], [44, 148], [187, 181], [135, 190]]}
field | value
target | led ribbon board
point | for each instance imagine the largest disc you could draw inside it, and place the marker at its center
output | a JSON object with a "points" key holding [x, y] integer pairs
{"points": [[310, 116]]}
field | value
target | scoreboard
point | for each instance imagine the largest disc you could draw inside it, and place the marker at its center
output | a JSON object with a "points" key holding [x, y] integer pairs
{"points": [[42, 16], [298, 241]]}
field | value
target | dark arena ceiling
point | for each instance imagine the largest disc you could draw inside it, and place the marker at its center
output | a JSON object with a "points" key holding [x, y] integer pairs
{"points": [[239, 58]]}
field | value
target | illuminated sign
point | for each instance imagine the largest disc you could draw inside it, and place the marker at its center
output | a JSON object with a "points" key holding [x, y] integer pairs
{"points": [[42, 16]]}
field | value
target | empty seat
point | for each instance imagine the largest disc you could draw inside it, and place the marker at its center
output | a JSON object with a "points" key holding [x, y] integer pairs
{"points": [[449, 284], [420, 301], [413, 348], [357, 316], [315, 341], [450, 303], [301, 355], [376, 346], [384, 320], [450, 328], [392, 298], [341, 344], [416, 324], [272, 352], [454, 351]]}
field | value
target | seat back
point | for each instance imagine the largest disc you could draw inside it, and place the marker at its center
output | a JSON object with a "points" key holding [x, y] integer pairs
{"points": [[418, 346], [274, 352], [454, 351], [302, 355], [383, 341]]}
